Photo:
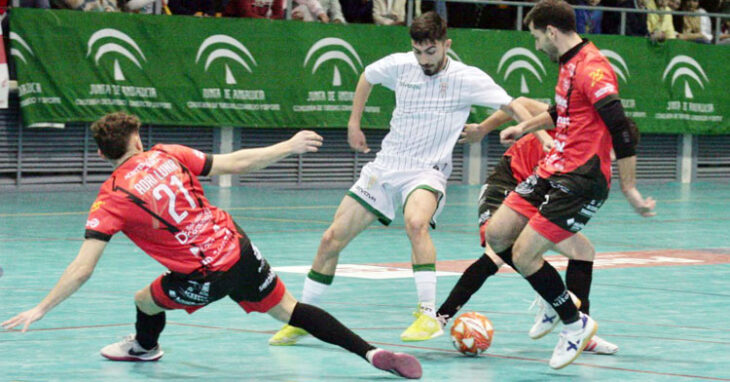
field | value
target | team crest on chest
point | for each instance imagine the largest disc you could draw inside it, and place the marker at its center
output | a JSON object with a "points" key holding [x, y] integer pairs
{"points": [[443, 87]]}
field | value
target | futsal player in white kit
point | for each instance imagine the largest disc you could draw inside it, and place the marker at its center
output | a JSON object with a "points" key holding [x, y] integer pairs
{"points": [[434, 95]]}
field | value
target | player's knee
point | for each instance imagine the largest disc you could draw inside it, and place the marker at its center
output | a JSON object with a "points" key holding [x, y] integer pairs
{"points": [[416, 226], [496, 239]]}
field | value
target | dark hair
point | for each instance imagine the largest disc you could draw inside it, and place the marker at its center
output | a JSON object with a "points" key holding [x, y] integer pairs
{"points": [[112, 133], [428, 27], [633, 130], [557, 13]]}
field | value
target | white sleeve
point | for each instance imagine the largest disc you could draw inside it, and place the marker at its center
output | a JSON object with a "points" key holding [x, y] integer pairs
{"points": [[383, 72], [484, 91], [706, 26]]}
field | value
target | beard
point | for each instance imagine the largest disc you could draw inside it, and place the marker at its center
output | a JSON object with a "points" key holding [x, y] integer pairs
{"points": [[430, 70], [552, 53]]}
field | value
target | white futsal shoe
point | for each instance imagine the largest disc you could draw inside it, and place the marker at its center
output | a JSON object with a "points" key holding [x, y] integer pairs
{"points": [[573, 339], [129, 349], [598, 345], [546, 318]]}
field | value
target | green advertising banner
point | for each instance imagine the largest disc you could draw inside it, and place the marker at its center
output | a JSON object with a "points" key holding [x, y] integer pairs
{"points": [[77, 66]]}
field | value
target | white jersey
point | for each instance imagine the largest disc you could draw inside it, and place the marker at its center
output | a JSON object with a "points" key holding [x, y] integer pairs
{"points": [[430, 111]]}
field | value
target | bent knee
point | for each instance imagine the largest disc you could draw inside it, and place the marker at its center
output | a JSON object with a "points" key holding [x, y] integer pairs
{"points": [[417, 226]]}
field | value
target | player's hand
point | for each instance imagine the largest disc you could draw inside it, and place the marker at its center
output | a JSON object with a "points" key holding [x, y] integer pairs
{"points": [[471, 134], [305, 141], [646, 208], [509, 135], [356, 139], [25, 319], [643, 207], [547, 146]]}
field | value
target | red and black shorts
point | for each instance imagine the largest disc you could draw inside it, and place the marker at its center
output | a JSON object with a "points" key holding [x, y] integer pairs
{"points": [[561, 205], [250, 283], [495, 189]]}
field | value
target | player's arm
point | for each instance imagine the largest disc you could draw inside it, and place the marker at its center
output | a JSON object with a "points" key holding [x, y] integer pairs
{"points": [[520, 106], [355, 136], [247, 160], [624, 147], [72, 279], [541, 121]]}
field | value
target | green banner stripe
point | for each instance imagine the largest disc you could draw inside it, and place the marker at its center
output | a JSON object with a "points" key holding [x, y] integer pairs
{"points": [[424, 267], [320, 278], [77, 66]]}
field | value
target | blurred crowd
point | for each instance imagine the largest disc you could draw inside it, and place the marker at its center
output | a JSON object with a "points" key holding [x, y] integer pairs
{"points": [[657, 27]]}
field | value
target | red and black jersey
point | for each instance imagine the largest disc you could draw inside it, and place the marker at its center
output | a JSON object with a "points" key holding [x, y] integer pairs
{"points": [[156, 200], [525, 155], [585, 82]]}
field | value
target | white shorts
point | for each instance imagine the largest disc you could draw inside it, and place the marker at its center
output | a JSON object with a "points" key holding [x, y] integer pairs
{"points": [[378, 188]]}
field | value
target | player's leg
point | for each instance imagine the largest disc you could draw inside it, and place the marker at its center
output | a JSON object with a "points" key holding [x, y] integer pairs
{"points": [[255, 287], [326, 328], [350, 219], [469, 283], [417, 214], [143, 345], [578, 279], [545, 280]]}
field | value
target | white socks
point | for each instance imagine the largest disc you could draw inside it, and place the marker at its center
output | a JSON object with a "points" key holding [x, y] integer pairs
{"points": [[426, 287], [312, 291]]}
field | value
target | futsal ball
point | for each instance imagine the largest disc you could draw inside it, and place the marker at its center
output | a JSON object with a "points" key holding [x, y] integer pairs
{"points": [[472, 333]]}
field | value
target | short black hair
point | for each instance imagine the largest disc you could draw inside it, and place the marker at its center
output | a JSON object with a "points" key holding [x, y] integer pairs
{"points": [[112, 133], [557, 13], [428, 27]]}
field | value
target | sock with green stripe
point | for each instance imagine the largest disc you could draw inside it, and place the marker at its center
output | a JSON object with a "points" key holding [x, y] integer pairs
{"points": [[314, 287], [425, 277]]}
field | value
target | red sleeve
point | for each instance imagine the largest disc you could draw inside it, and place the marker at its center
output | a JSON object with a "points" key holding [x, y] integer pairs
{"points": [[247, 10], [196, 161], [277, 9], [104, 220], [597, 82]]}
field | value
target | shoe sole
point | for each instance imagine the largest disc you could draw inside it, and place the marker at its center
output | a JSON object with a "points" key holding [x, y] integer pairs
{"points": [[580, 349], [131, 358], [400, 364], [289, 341], [543, 334], [437, 334]]}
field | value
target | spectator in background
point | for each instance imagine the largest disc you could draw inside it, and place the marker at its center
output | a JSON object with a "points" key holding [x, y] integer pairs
{"points": [[389, 12], [695, 28], [676, 5], [257, 9], [659, 26], [725, 27], [309, 10], [192, 7], [93, 5], [34, 3], [358, 11], [635, 22], [588, 21], [137, 6]]}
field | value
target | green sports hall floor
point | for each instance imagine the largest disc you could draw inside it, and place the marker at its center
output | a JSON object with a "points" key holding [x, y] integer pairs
{"points": [[660, 291]]}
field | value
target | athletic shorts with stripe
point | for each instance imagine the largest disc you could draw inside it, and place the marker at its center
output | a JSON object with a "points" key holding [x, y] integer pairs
{"points": [[250, 283], [498, 185], [378, 189], [561, 205]]}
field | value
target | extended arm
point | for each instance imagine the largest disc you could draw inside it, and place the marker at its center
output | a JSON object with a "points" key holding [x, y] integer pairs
{"points": [[75, 275], [247, 160]]}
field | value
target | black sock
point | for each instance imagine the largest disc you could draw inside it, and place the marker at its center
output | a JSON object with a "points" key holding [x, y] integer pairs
{"points": [[506, 256], [323, 326], [468, 284], [547, 282], [578, 279], [149, 328]]}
